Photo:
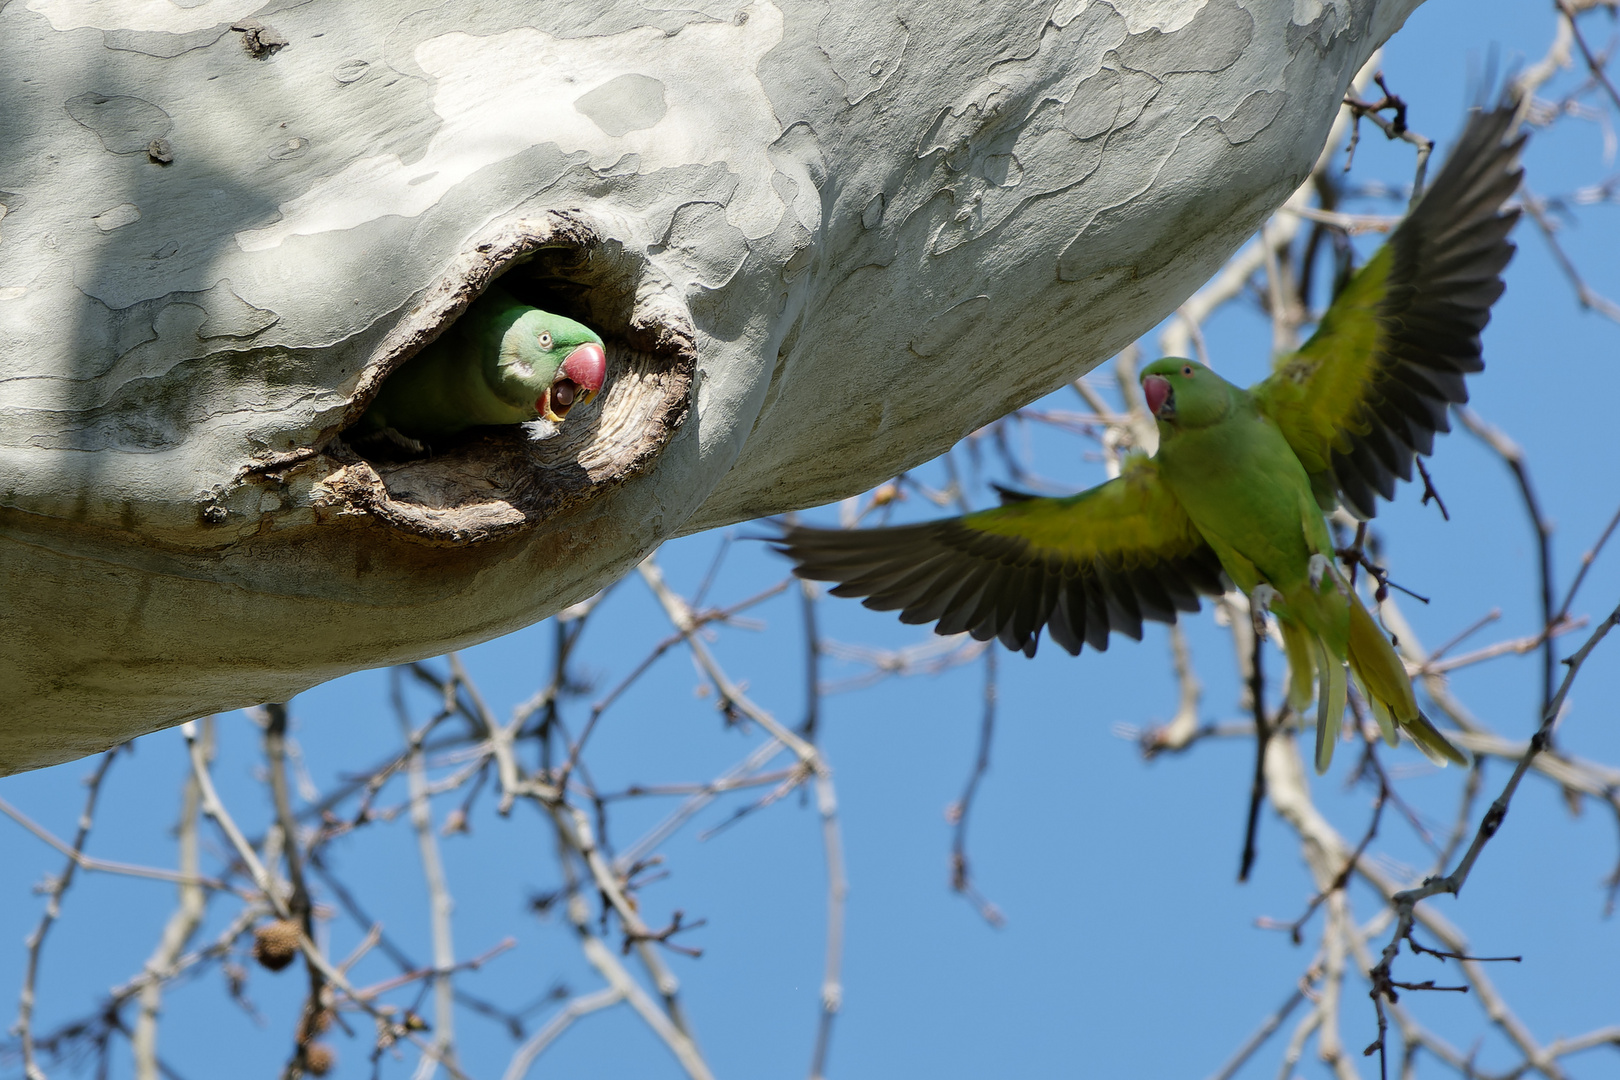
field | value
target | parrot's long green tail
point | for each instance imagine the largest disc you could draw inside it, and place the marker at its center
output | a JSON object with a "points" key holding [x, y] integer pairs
{"points": [[1299, 645], [1382, 679], [1315, 663], [1330, 702]]}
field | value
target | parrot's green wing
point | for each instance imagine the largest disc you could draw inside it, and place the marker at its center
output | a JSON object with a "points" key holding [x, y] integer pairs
{"points": [[1102, 560], [1372, 385]]}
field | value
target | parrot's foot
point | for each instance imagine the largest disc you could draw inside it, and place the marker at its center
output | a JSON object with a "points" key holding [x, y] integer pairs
{"points": [[389, 443], [1262, 598], [1317, 568]]}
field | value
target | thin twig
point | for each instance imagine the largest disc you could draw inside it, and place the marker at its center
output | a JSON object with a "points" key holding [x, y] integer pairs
{"points": [[1343, 878], [1585, 295], [432, 973], [215, 809], [1586, 564], [832, 980], [1512, 647], [1262, 735], [811, 758], [959, 811], [1467, 632], [1183, 729], [1513, 457], [1493, 818], [108, 866], [1254, 1042], [1405, 902], [1592, 63], [55, 890], [526, 1055], [299, 905], [177, 932], [440, 905], [574, 835], [1393, 128]]}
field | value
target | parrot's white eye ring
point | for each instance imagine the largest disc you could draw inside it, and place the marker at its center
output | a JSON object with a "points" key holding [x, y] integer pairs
{"points": [[545, 339]]}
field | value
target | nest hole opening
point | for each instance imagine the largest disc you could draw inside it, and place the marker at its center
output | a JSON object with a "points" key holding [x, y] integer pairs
{"points": [[489, 481]]}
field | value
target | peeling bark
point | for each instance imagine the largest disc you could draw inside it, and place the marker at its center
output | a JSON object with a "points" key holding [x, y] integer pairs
{"points": [[823, 243]]}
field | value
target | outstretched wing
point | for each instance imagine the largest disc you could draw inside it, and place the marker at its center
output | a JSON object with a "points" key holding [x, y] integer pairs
{"points": [[1372, 385], [1102, 560]]}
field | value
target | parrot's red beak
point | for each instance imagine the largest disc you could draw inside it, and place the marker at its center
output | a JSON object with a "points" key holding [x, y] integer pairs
{"points": [[578, 380], [1156, 388]]}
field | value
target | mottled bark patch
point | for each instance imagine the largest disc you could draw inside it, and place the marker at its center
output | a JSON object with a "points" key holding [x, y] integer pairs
{"points": [[125, 125], [625, 104]]}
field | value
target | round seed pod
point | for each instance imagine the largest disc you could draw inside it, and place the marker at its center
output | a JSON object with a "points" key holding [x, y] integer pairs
{"points": [[319, 1059], [275, 944]]}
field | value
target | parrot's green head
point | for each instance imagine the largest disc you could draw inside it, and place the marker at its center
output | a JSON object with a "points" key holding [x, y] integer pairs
{"points": [[1184, 394], [549, 361]]}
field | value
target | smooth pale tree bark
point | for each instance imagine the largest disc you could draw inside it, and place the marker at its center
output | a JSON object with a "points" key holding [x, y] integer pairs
{"points": [[823, 241]]}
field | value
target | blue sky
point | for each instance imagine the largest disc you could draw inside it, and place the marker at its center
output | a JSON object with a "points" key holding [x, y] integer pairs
{"points": [[1128, 949]]}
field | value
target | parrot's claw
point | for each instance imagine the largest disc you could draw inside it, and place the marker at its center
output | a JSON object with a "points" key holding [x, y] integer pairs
{"points": [[389, 443], [1262, 597], [1318, 568]]}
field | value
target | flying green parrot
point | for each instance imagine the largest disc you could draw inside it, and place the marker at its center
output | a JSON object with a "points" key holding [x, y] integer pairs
{"points": [[1241, 479], [503, 362]]}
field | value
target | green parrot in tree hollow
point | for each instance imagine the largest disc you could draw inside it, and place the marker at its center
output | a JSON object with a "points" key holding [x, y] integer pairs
{"points": [[1241, 478], [503, 362]]}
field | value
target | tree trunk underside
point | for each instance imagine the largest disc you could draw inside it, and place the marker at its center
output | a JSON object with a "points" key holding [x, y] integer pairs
{"points": [[823, 244]]}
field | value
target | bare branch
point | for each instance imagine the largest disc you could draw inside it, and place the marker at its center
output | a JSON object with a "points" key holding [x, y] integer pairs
{"points": [[1593, 64], [178, 931], [215, 809], [1405, 902], [107, 866], [1262, 735], [958, 812], [1588, 297], [440, 906], [54, 891], [576, 1008], [1513, 457]]}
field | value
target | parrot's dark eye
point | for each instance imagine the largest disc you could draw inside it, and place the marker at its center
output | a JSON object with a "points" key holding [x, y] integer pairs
{"points": [[545, 340], [1187, 370]]}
